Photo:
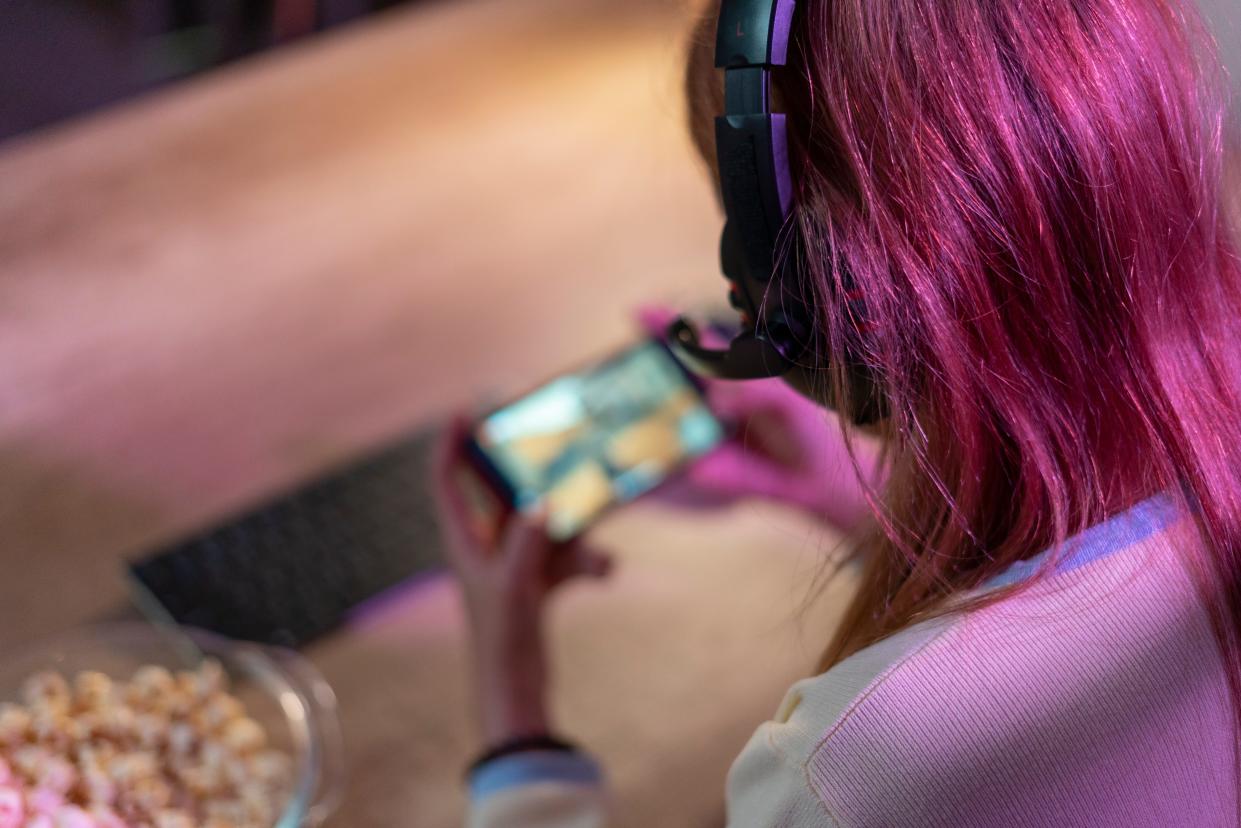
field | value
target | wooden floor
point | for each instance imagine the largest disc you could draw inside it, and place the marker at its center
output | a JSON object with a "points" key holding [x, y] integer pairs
{"points": [[214, 293]]}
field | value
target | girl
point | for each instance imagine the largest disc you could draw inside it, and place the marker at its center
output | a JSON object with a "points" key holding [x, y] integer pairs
{"points": [[1030, 195]]}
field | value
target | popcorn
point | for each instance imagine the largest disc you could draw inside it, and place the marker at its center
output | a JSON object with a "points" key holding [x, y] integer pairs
{"points": [[47, 692], [243, 735], [217, 711], [45, 800], [151, 730], [272, 767], [150, 794], [92, 691], [30, 760], [215, 757], [57, 774], [14, 724], [208, 680], [71, 816], [201, 782], [12, 809], [97, 788], [227, 811], [117, 722], [160, 750], [181, 738], [107, 818], [133, 767], [52, 727], [173, 819], [93, 757], [151, 684]]}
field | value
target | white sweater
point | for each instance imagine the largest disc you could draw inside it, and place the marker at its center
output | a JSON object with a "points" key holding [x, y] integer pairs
{"points": [[1095, 696]]}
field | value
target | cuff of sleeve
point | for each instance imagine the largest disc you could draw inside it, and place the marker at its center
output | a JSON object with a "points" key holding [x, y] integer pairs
{"points": [[532, 767]]}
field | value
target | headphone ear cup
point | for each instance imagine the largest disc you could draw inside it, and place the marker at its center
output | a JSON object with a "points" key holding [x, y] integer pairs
{"points": [[732, 254], [788, 334], [798, 332], [736, 271], [790, 309]]}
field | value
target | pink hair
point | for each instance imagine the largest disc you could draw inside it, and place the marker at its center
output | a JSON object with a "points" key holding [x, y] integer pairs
{"points": [[1031, 198]]}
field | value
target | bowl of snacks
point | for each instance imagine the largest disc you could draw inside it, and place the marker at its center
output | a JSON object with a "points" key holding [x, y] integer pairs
{"points": [[134, 726]]}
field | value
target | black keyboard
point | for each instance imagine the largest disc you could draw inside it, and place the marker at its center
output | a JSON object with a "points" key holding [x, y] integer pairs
{"points": [[294, 568]]}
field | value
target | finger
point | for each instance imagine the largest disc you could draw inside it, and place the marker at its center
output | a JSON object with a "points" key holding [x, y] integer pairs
{"points": [[451, 506], [525, 546], [746, 418], [682, 492], [736, 472], [444, 465], [577, 560], [738, 400], [654, 320], [767, 421], [593, 563]]}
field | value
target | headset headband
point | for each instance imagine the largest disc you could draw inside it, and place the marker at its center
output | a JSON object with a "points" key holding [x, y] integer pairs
{"points": [[752, 142], [752, 153]]}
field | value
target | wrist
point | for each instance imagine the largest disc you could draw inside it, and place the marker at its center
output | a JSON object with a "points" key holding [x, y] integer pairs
{"points": [[512, 706], [507, 644], [511, 675], [494, 616]]}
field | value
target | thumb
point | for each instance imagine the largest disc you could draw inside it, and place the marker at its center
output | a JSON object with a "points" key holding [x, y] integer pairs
{"points": [[736, 472], [579, 559], [654, 319], [593, 563], [525, 546], [739, 401]]}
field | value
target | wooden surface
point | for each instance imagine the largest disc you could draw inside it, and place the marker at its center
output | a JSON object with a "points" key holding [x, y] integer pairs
{"points": [[211, 294]]}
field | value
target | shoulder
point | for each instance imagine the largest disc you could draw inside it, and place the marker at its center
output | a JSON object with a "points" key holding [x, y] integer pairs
{"points": [[1077, 631], [772, 778], [999, 708]]}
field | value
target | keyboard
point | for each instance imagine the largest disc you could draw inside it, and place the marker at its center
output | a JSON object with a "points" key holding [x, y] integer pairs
{"points": [[292, 569]]}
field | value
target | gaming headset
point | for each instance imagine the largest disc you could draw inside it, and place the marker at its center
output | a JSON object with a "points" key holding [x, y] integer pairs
{"points": [[752, 150]]}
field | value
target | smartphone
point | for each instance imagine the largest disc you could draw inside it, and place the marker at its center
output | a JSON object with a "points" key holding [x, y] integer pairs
{"points": [[594, 438]]}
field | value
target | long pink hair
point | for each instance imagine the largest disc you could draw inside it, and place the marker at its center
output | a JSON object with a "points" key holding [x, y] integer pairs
{"points": [[1030, 196]]}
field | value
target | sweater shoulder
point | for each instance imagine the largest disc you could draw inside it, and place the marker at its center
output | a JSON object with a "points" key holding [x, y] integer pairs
{"points": [[1079, 690]]}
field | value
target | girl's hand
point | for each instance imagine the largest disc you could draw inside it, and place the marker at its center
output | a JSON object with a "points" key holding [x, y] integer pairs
{"points": [[505, 585], [788, 449], [784, 448]]}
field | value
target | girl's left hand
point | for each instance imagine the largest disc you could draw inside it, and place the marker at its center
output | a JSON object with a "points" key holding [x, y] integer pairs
{"points": [[505, 585], [786, 448]]}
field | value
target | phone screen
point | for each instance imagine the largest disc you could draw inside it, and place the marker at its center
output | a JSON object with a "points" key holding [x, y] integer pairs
{"points": [[597, 437]]}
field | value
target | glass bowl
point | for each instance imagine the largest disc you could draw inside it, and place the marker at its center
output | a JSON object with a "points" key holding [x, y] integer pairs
{"points": [[281, 691]]}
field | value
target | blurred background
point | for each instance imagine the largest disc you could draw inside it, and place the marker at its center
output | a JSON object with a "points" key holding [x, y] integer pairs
{"points": [[60, 58], [244, 243], [1224, 16], [63, 58]]}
